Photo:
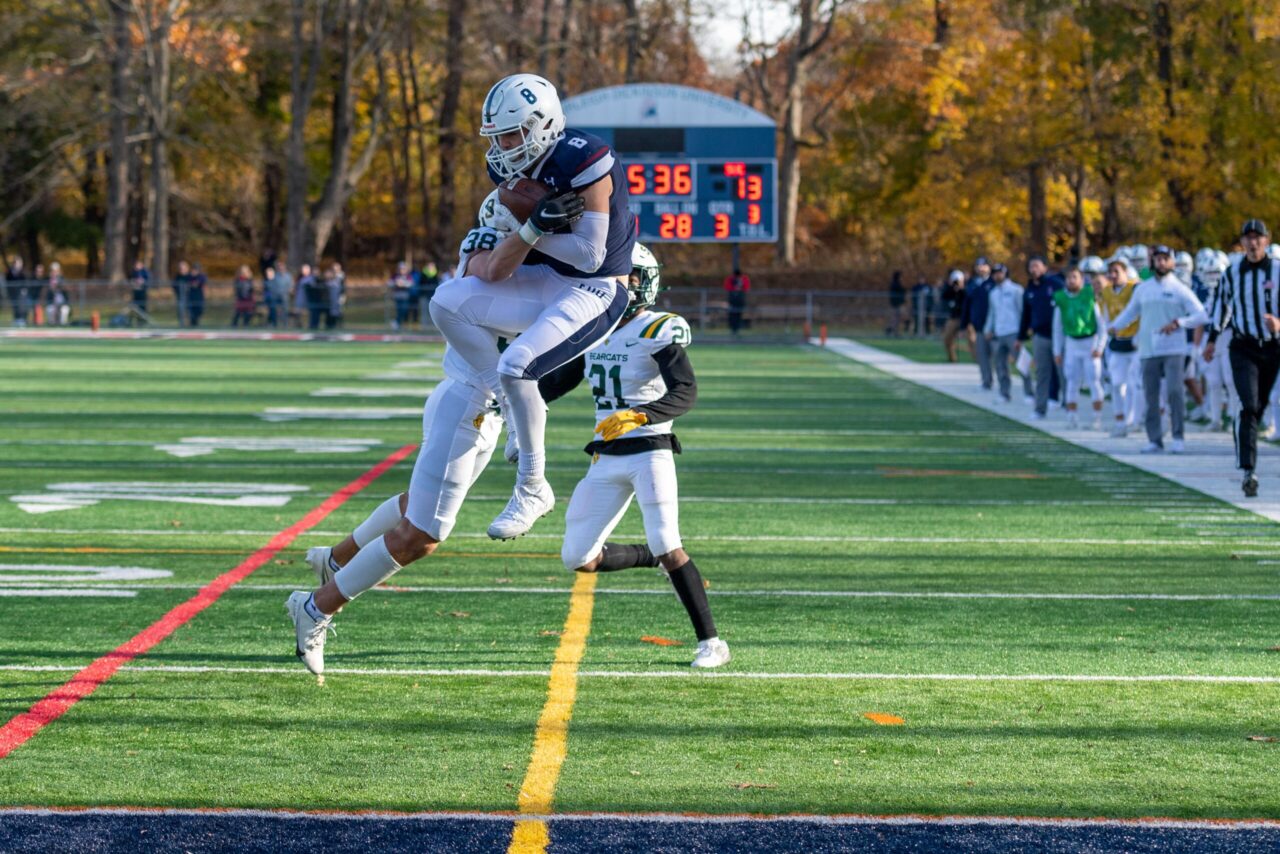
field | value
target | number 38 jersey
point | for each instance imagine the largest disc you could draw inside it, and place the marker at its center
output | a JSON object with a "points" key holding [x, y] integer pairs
{"points": [[622, 370]]}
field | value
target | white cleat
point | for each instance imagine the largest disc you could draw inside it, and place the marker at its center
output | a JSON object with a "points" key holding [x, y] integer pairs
{"points": [[1119, 431], [318, 557], [1073, 422], [1152, 448], [529, 503], [1176, 447], [1097, 423], [711, 653], [309, 631]]}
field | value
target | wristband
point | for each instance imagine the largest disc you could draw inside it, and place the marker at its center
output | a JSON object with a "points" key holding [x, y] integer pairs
{"points": [[530, 233]]}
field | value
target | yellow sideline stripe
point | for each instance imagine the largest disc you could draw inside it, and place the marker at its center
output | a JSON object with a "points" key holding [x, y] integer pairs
{"points": [[550, 739]]}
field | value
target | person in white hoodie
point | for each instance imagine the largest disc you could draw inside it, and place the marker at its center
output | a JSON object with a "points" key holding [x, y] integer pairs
{"points": [[1079, 337], [1165, 308], [1004, 318]]}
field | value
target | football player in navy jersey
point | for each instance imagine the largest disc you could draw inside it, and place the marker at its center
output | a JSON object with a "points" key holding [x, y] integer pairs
{"points": [[559, 282]]}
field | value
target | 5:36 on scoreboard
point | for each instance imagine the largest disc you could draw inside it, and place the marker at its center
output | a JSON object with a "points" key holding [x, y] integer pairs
{"points": [[698, 200]]}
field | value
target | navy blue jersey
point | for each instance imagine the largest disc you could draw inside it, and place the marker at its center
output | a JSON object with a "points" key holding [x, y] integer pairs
{"points": [[577, 161]]}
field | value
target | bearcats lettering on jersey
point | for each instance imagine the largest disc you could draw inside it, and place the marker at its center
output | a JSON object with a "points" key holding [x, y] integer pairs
{"points": [[577, 161], [622, 372]]}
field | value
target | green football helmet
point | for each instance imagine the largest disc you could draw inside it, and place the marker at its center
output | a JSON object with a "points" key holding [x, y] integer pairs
{"points": [[645, 280]]}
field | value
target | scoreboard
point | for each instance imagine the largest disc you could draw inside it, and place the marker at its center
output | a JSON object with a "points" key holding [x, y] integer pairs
{"points": [[700, 168]]}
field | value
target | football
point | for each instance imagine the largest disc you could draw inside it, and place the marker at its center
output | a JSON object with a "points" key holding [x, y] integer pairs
{"points": [[521, 196]]}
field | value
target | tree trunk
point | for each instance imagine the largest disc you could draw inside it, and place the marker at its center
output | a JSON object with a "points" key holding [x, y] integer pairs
{"points": [[1037, 208], [404, 174], [632, 27], [115, 230], [304, 61], [424, 184], [1162, 31], [455, 67], [792, 127], [544, 33], [94, 214], [158, 92], [1081, 239], [135, 246], [941, 21], [562, 45]]}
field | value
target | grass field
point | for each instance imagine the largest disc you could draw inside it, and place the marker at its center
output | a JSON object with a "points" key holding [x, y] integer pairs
{"points": [[872, 547]]}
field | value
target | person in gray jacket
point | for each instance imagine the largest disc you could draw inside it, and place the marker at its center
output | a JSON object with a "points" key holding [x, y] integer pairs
{"points": [[1004, 317]]}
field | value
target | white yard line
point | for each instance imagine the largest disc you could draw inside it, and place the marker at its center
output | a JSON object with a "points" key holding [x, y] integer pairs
{"points": [[682, 674], [1207, 467]]}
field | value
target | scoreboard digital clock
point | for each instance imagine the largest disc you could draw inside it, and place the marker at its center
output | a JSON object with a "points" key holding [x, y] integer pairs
{"points": [[700, 168]]}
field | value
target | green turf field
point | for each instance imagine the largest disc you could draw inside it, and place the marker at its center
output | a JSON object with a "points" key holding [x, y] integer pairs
{"points": [[871, 547]]}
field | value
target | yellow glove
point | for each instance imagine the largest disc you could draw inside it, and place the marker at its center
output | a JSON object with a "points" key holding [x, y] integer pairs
{"points": [[621, 422]]}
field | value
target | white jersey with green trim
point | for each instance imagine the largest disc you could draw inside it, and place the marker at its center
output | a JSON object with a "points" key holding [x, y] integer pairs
{"points": [[622, 371]]}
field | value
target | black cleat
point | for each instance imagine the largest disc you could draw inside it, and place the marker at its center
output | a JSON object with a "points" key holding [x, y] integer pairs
{"points": [[1250, 485]]}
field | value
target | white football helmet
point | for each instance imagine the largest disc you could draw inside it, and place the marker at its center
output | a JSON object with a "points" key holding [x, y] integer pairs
{"points": [[526, 103], [645, 267], [494, 214], [1205, 260], [1183, 266], [1139, 257], [1092, 265]]}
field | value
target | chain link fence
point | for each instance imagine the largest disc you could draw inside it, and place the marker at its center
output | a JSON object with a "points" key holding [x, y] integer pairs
{"points": [[370, 305]]}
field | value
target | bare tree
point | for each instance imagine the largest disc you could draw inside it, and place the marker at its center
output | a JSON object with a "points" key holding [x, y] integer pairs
{"points": [[815, 20], [447, 121], [359, 27], [119, 49], [157, 20]]}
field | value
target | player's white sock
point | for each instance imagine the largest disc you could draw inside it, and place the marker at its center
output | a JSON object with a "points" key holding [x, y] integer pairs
{"points": [[473, 344], [371, 566], [529, 416], [381, 520]]}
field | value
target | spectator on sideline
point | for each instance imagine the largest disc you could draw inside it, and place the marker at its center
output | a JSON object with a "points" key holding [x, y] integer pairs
{"points": [[35, 288], [952, 299], [1079, 337], [1037, 330], [139, 283], [1123, 369], [275, 293], [1004, 319], [921, 307], [736, 286], [284, 290], [195, 295], [973, 318], [897, 299], [401, 286], [313, 295], [1165, 308], [181, 284], [336, 285], [242, 293], [424, 288], [15, 288], [58, 309]]}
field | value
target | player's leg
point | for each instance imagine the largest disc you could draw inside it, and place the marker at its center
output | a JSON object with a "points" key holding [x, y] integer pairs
{"points": [[1073, 372], [1093, 377], [325, 561], [653, 476], [597, 505], [583, 314], [459, 441]]}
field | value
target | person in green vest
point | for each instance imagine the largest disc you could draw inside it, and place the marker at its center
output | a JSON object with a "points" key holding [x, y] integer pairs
{"points": [[1079, 338]]}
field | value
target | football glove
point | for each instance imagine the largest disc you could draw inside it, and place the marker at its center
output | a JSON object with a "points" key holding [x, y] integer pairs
{"points": [[620, 423], [557, 213]]}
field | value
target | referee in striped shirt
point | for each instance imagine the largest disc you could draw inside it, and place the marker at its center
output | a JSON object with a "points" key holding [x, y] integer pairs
{"points": [[1248, 303]]}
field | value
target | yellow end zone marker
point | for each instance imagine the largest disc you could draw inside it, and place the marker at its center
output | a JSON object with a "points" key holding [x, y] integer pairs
{"points": [[550, 739]]}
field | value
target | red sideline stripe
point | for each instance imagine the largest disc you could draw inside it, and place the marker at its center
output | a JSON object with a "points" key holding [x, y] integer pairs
{"points": [[56, 703]]}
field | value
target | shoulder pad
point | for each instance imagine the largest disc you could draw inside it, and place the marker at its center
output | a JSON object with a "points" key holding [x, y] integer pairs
{"points": [[583, 158], [663, 329]]}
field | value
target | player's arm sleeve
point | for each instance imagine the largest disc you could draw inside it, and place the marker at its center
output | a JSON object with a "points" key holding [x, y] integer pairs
{"points": [[682, 386], [584, 247], [563, 379], [1100, 333]]}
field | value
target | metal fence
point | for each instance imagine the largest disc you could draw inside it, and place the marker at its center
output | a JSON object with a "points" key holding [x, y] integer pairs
{"points": [[370, 305]]}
